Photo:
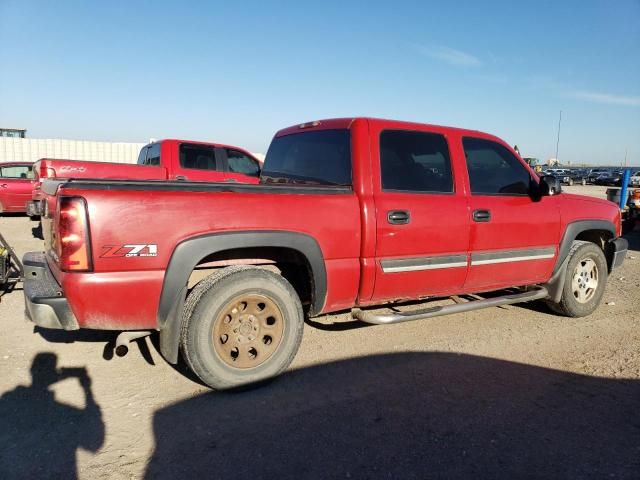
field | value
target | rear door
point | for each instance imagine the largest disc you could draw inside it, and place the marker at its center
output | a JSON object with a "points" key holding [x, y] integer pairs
{"points": [[198, 163], [422, 237], [16, 185], [514, 238]]}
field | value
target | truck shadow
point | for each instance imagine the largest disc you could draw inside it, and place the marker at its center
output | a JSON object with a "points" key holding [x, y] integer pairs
{"points": [[409, 415]]}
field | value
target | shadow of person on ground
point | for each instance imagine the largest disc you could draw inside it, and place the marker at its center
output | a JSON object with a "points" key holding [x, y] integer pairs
{"points": [[39, 436], [409, 415]]}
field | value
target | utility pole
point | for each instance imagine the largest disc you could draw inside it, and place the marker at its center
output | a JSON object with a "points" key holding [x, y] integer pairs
{"points": [[558, 141]]}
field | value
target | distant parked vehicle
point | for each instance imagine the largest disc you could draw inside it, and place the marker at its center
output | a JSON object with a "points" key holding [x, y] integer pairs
{"points": [[568, 176], [595, 173], [612, 179], [168, 159], [16, 183], [634, 180]]}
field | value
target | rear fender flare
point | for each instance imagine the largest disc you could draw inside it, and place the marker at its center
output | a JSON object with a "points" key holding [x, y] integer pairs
{"points": [[190, 252]]}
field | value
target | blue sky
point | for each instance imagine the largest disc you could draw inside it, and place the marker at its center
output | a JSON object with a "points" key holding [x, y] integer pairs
{"points": [[236, 72]]}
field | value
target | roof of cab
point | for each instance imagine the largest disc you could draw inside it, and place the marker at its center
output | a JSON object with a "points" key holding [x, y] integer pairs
{"points": [[340, 123]]}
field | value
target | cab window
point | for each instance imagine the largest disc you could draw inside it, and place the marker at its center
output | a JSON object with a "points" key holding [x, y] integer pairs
{"points": [[197, 157], [493, 169], [412, 161], [16, 171], [153, 155], [238, 162]]}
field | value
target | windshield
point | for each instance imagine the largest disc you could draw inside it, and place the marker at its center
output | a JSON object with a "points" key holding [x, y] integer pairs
{"points": [[321, 157]]}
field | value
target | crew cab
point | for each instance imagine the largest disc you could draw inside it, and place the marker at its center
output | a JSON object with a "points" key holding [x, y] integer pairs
{"points": [[168, 159], [349, 214], [16, 183]]}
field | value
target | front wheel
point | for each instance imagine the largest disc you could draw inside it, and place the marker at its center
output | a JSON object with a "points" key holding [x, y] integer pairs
{"points": [[585, 281], [241, 325], [584, 182], [570, 182]]}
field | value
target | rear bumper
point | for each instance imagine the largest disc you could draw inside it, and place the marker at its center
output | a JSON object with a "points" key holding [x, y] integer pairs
{"points": [[45, 304], [619, 248]]}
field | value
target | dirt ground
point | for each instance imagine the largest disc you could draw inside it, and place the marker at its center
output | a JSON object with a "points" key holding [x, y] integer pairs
{"points": [[502, 392]]}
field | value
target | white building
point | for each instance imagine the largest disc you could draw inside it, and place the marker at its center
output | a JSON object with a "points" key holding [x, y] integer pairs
{"points": [[32, 149]]}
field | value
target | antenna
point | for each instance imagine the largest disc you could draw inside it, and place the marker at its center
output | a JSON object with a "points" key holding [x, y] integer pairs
{"points": [[558, 141]]}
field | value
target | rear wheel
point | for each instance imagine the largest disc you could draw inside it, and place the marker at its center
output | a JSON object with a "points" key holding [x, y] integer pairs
{"points": [[584, 181], [585, 281], [241, 325], [571, 181]]}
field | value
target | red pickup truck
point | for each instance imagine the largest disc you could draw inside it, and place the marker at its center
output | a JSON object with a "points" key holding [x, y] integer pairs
{"points": [[167, 159], [349, 214], [16, 183]]}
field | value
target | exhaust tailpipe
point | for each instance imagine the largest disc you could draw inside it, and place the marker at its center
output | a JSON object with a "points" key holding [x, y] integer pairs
{"points": [[124, 338]]}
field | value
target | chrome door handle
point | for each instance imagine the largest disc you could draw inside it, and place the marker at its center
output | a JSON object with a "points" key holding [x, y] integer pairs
{"points": [[398, 217]]}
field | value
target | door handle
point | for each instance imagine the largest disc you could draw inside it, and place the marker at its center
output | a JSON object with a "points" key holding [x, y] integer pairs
{"points": [[181, 178], [4, 185], [398, 217], [481, 215]]}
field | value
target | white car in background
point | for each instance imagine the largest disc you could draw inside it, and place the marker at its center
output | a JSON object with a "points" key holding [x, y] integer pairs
{"points": [[634, 180]]}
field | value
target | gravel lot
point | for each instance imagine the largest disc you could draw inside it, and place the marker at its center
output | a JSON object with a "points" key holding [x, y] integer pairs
{"points": [[503, 392]]}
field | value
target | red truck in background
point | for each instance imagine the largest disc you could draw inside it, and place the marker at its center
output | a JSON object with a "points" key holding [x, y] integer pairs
{"points": [[16, 185], [349, 214], [167, 159]]}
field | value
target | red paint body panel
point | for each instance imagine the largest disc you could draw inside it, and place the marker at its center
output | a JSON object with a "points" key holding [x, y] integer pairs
{"points": [[15, 192], [351, 230]]}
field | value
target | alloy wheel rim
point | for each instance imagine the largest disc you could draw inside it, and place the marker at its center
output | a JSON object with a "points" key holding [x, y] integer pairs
{"points": [[585, 280]]}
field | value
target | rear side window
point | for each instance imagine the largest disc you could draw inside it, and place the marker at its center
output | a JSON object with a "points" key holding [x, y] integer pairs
{"points": [[16, 171], [320, 157], [153, 155], [197, 157], [413, 161], [494, 170], [238, 162], [142, 156]]}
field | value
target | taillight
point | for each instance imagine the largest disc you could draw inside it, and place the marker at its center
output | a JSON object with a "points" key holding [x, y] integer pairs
{"points": [[46, 172], [72, 242]]}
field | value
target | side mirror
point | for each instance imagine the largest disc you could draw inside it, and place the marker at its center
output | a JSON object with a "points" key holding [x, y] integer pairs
{"points": [[550, 185]]}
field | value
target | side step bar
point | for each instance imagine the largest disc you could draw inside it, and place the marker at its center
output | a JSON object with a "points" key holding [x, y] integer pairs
{"points": [[389, 318]]}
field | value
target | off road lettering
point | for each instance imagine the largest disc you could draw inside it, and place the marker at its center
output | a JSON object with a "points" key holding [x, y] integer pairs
{"points": [[129, 250]]}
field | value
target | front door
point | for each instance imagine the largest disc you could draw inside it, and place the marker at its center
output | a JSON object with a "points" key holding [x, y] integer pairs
{"points": [[514, 237], [422, 237]]}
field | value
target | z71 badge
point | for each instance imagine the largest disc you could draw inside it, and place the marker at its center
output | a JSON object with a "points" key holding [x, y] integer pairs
{"points": [[118, 251]]}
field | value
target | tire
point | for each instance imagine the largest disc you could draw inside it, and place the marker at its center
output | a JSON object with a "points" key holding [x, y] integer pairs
{"points": [[584, 182], [241, 325], [571, 182], [585, 281]]}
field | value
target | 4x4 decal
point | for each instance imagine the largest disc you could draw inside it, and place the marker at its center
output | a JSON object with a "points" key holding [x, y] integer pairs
{"points": [[130, 250]]}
